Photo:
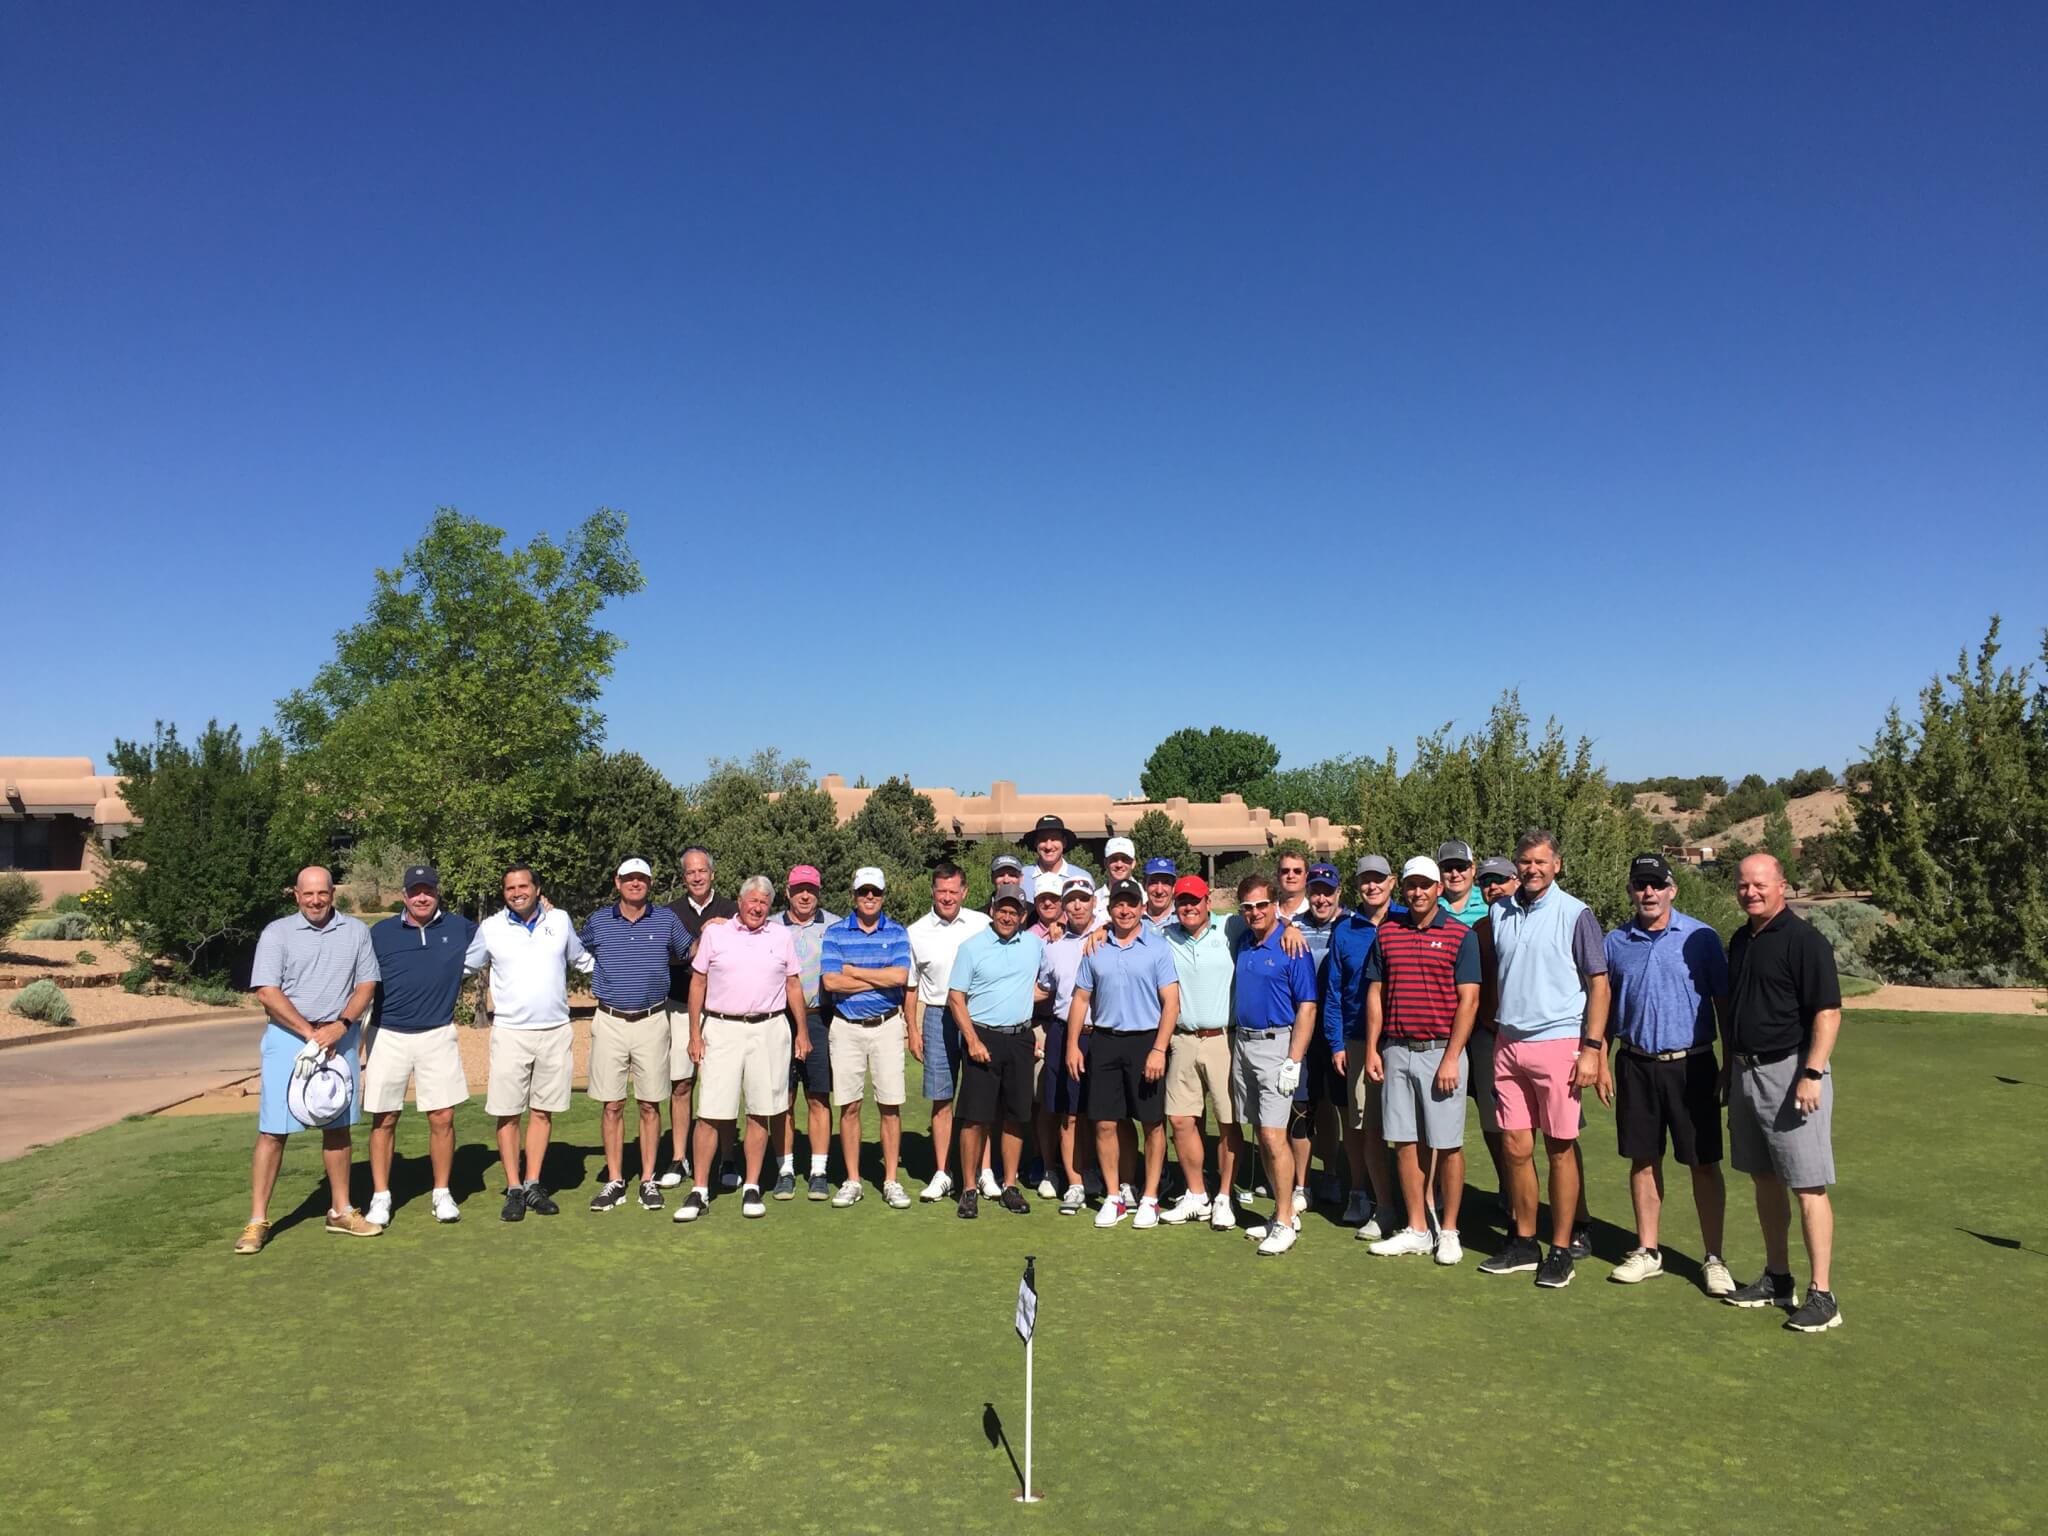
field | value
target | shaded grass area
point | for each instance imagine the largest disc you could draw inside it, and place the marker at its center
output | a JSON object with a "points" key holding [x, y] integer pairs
{"points": [[622, 1373]]}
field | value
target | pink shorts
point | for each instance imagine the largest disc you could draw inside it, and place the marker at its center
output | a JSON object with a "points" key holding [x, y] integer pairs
{"points": [[1532, 1086]]}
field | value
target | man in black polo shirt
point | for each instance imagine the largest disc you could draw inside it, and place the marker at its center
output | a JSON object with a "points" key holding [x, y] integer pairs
{"points": [[1785, 1002], [699, 905]]}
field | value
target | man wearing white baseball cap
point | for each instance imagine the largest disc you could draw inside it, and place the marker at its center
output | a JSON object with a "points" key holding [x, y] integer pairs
{"points": [[865, 965], [315, 974], [1119, 858]]}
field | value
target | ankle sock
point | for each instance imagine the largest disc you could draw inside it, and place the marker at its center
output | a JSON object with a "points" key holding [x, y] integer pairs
{"points": [[818, 1166], [787, 1165]]}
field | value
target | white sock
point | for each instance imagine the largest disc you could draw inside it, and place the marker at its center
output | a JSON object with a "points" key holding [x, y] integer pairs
{"points": [[442, 1190], [818, 1164], [787, 1165], [699, 1189]]}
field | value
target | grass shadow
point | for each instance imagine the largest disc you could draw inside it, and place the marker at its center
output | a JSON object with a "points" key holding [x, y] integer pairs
{"points": [[2011, 1243], [992, 1430]]}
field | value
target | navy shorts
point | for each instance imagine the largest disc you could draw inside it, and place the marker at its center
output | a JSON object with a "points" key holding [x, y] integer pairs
{"points": [[1114, 1086], [814, 1073], [1058, 1091]]}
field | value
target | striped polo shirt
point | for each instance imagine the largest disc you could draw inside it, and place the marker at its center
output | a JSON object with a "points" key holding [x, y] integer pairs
{"points": [[1420, 970], [633, 957], [847, 943], [809, 939], [315, 968]]}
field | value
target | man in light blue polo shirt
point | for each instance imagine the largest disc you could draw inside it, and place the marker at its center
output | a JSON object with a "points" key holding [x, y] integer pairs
{"points": [[1130, 986], [315, 975], [1198, 1060], [1670, 981], [991, 994]]}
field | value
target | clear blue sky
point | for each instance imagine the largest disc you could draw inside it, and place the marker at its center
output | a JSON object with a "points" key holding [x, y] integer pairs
{"points": [[1317, 369]]}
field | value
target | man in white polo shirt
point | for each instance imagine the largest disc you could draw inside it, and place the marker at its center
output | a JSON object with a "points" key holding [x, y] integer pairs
{"points": [[528, 953], [935, 940], [746, 985]]}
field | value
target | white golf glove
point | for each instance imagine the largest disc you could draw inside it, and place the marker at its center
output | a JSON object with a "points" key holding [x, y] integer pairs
{"points": [[1290, 1075]]}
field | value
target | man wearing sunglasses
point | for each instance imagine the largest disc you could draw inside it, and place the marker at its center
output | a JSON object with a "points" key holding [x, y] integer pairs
{"points": [[1365, 1148], [1198, 1060], [1454, 860], [1670, 981], [1273, 1013]]}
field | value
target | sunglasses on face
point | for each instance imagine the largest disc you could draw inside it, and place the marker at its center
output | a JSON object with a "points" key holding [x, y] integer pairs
{"points": [[1254, 906], [1646, 885]]}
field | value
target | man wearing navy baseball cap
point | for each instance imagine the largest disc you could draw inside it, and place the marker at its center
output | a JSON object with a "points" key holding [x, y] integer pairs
{"points": [[1160, 875]]}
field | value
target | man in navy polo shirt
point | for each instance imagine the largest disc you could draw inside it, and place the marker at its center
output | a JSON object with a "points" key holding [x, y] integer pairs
{"points": [[1130, 987], [699, 905], [1273, 1014], [419, 958], [1314, 1121], [1668, 978], [631, 1038], [1343, 1015]]}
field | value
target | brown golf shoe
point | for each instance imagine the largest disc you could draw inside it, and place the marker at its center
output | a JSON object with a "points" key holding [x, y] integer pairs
{"points": [[350, 1223], [253, 1237]]}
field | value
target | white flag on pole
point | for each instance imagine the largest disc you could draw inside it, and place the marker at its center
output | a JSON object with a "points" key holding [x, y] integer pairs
{"points": [[1027, 1302]]}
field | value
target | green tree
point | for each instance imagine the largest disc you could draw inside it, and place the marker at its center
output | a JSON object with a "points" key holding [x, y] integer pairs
{"points": [[19, 896], [1157, 835], [451, 716], [1779, 845], [1951, 816], [1207, 765], [217, 840], [1328, 788], [613, 806]]}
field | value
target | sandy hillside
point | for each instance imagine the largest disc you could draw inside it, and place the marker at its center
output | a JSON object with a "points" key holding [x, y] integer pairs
{"points": [[1808, 814]]}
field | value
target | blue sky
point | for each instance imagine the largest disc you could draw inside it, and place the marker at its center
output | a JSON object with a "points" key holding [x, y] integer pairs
{"points": [[1319, 369]]}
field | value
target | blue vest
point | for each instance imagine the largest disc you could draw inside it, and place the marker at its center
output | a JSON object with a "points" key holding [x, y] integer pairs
{"points": [[1541, 994]]}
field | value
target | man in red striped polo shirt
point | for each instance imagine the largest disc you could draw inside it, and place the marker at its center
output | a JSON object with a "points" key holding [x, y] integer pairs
{"points": [[1421, 996]]}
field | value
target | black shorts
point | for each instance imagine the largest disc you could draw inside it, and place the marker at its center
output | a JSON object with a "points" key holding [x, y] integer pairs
{"points": [[814, 1073], [1114, 1086], [1325, 1082], [1682, 1097], [1000, 1088]]}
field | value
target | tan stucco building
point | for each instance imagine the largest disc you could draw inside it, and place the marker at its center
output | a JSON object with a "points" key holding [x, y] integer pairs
{"points": [[1220, 830], [50, 808]]}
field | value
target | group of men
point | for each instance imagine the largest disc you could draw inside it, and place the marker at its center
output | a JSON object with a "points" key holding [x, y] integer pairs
{"points": [[1095, 1021]]}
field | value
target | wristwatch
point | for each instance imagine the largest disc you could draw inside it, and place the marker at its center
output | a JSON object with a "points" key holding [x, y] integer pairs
{"points": [[1811, 1075]]}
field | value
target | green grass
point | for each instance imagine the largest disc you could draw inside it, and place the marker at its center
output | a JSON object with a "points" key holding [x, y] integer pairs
{"points": [[1859, 986], [827, 1370]]}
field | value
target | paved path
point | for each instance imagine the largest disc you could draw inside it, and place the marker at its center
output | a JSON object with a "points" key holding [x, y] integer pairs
{"points": [[49, 1092]]}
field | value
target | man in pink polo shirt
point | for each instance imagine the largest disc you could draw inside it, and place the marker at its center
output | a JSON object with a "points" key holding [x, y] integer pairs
{"points": [[746, 986]]}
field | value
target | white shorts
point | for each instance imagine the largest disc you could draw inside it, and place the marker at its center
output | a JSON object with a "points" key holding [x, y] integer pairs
{"points": [[862, 1051], [744, 1058], [530, 1069], [430, 1057]]}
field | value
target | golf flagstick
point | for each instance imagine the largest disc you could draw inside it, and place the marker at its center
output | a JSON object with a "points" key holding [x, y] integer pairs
{"points": [[1027, 1325]]}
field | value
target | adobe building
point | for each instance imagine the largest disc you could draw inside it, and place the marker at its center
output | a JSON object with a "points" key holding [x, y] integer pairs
{"points": [[50, 807], [1220, 831]]}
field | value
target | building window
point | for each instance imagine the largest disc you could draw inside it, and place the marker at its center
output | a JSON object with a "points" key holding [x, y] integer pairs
{"points": [[24, 845]]}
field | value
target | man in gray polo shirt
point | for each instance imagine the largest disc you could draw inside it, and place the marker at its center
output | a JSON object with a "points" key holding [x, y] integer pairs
{"points": [[315, 975]]}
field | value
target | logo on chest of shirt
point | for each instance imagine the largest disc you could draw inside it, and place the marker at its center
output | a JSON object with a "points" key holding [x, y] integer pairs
{"points": [[1436, 943]]}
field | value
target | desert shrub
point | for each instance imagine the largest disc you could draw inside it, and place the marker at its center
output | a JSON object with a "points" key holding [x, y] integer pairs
{"points": [[68, 904], [213, 992], [343, 902], [87, 957], [138, 976], [43, 1000], [19, 896], [1849, 927], [68, 926]]}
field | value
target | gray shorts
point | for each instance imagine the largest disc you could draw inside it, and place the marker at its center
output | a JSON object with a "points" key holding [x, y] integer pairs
{"points": [[1768, 1134], [1411, 1110], [1255, 1080]]}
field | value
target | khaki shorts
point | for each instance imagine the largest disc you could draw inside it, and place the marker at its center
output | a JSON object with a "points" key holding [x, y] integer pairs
{"points": [[863, 1051], [750, 1058], [530, 1069], [680, 1068], [1037, 1062], [1196, 1067], [1361, 1093], [430, 1057], [635, 1048]]}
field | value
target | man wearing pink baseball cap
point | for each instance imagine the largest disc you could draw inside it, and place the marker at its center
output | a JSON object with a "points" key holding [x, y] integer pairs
{"points": [[807, 921]]}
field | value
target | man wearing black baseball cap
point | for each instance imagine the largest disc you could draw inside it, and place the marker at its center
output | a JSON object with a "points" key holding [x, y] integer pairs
{"points": [[419, 958], [1670, 981]]}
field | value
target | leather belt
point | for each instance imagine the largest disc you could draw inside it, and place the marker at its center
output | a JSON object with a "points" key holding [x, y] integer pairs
{"points": [[1414, 1044], [1263, 1034], [633, 1015], [1694, 1050], [746, 1018], [1002, 1029], [1765, 1058], [1201, 1034]]}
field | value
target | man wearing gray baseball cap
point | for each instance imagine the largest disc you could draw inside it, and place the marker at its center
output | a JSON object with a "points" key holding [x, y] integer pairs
{"points": [[1455, 864]]}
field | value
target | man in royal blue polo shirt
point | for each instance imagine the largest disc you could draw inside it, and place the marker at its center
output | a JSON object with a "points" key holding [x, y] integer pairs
{"points": [[1273, 1014], [865, 965], [419, 957], [1126, 997], [630, 1038], [1343, 1014], [1669, 979]]}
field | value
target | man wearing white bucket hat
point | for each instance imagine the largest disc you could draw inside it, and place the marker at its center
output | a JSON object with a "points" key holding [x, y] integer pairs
{"points": [[315, 974]]}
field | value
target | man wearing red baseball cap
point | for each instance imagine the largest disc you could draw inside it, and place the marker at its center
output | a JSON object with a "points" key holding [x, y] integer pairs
{"points": [[1198, 1058]]}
